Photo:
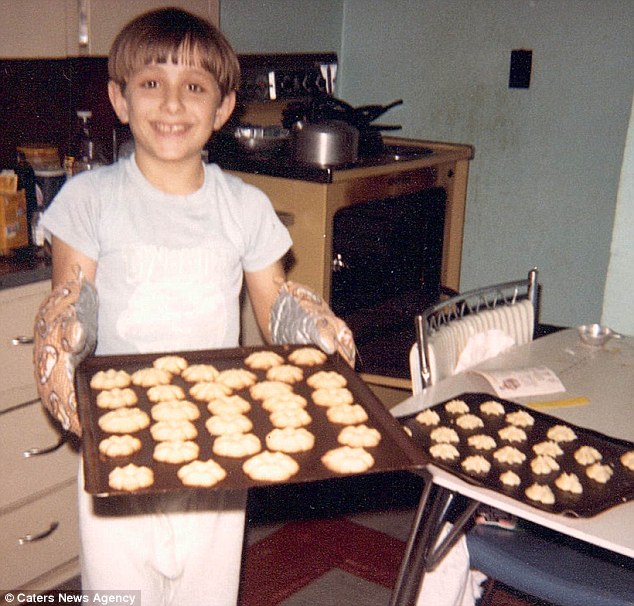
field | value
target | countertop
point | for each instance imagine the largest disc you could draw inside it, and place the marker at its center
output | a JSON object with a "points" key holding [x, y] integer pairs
{"points": [[19, 269]]}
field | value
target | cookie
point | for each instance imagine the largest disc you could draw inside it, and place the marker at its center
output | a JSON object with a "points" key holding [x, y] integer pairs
{"points": [[442, 450], [510, 478], [332, 396], [229, 405], [263, 360], [561, 433], [237, 445], [236, 378], [491, 407], [201, 473], [173, 430], [116, 398], [587, 455], [148, 377], [512, 433], [599, 473], [268, 389], [119, 446], [130, 478], [270, 466], [218, 425], [109, 379], [476, 464], [359, 436], [199, 373], [290, 440], [164, 393], [173, 364], [328, 379], [481, 442], [457, 407], [124, 420], [509, 455], [550, 448], [290, 418], [346, 459], [206, 391], [627, 459], [543, 465], [428, 417], [540, 493], [175, 410], [520, 418], [347, 414], [287, 373], [569, 482], [176, 452], [469, 421], [307, 356], [284, 401], [444, 434]]}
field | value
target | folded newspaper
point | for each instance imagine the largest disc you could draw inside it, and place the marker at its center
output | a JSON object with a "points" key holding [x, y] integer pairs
{"points": [[522, 382]]}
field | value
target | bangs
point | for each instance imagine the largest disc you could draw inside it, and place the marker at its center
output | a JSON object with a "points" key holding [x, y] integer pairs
{"points": [[192, 44]]}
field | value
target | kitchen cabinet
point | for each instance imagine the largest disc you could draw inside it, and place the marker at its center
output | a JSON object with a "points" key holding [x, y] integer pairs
{"points": [[39, 536], [32, 28]]}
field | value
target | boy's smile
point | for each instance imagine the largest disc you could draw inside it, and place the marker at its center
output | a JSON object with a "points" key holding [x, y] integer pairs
{"points": [[172, 110]]}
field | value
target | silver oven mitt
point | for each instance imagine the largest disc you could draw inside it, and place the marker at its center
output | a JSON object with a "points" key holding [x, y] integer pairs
{"points": [[65, 333], [300, 316]]}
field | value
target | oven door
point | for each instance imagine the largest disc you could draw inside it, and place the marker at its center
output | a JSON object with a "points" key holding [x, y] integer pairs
{"points": [[387, 258]]}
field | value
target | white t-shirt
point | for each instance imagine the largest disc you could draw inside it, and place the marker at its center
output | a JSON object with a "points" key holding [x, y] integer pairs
{"points": [[169, 268]]}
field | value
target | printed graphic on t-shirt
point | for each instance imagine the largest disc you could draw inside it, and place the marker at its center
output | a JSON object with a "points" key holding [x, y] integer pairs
{"points": [[177, 298]]}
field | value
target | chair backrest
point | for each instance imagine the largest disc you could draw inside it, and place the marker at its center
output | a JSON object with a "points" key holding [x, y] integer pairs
{"points": [[444, 329]]}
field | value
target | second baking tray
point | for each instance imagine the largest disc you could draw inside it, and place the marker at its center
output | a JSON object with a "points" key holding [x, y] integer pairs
{"points": [[395, 451]]}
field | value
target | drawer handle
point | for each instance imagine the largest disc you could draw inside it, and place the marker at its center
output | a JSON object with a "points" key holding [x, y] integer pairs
{"points": [[32, 538], [36, 452], [22, 340]]}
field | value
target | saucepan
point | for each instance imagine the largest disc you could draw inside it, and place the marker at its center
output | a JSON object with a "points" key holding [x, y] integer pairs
{"points": [[325, 143], [261, 138]]}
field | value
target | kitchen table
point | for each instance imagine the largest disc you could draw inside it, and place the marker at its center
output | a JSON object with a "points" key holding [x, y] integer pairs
{"points": [[602, 375]]}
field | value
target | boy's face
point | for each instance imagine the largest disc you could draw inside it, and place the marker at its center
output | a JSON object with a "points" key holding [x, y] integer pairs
{"points": [[172, 110]]}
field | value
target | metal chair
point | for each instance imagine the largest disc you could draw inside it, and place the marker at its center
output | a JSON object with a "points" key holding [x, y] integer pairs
{"points": [[538, 562], [444, 329]]}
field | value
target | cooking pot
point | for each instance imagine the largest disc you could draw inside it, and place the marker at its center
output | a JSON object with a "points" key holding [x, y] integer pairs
{"points": [[325, 143]]}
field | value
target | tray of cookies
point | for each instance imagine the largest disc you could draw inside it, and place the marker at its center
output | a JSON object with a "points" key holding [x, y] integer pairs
{"points": [[231, 419], [527, 455]]}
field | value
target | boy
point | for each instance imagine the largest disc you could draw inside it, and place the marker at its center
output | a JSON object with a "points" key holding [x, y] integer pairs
{"points": [[166, 240]]}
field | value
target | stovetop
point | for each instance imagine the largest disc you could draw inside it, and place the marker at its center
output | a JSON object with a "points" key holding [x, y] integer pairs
{"points": [[280, 163]]}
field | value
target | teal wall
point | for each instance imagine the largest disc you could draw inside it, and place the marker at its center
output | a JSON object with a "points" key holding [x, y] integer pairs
{"points": [[543, 184]]}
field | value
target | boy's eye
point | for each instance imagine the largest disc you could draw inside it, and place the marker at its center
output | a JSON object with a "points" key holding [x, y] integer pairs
{"points": [[150, 84], [195, 88]]}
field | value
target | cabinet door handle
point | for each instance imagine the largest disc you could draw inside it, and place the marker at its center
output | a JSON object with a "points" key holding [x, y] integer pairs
{"points": [[32, 538], [22, 340], [35, 452]]}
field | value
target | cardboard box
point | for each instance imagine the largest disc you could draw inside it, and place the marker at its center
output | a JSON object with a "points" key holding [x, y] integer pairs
{"points": [[14, 228]]}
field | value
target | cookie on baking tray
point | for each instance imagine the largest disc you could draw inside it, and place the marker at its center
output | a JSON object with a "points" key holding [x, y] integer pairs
{"points": [[199, 373], [172, 363], [163, 393], [359, 436], [175, 410], [206, 391], [347, 414], [201, 473], [236, 378], [117, 397], [109, 379], [347, 459], [228, 405], [119, 446], [332, 396], [286, 400], [267, 389], [307, 356], [263, 360], [270, 466], [290, 440], [150, 376], [290, 417], [327, 379], [131, 477], [236, 445], [173, 430], [178, 451], [124, 420], [287, 373], [218, 425]]}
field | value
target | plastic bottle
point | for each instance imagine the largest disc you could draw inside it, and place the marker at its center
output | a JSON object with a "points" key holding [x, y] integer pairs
{"points": [[26, 181], [84, 152]]}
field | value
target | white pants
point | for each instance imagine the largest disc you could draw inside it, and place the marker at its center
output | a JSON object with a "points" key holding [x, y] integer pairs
{"points": [[177, 549]]}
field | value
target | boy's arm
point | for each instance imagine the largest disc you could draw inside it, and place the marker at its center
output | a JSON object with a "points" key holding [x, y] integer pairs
{"points": [[263, 287], [65, 332], [66, 260]]}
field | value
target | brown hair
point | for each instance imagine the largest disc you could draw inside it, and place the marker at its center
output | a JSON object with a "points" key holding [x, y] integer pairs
{"points": [[172, 34]]}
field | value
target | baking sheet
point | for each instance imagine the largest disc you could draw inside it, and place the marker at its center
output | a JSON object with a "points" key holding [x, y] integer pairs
{"points": [[596, 497], [395, 451]]}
